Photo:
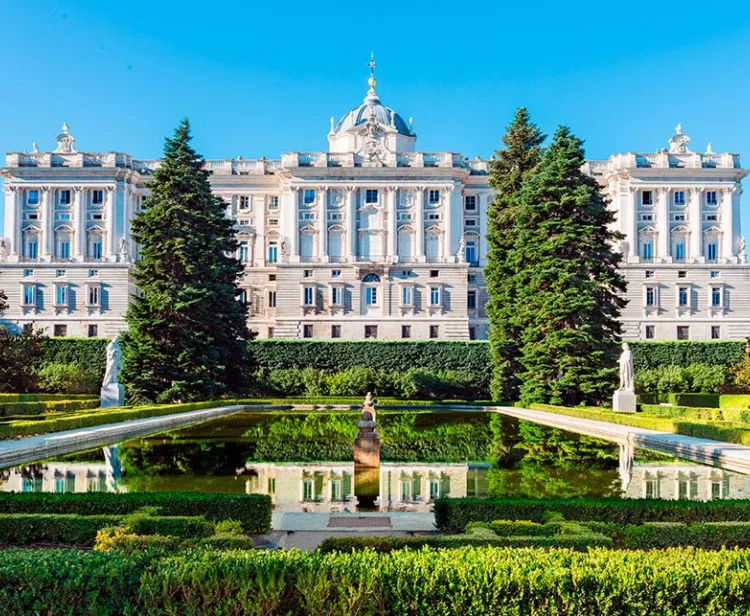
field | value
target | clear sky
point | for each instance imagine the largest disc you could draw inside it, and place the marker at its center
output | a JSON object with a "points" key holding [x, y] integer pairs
{"points": [[260, 78]]}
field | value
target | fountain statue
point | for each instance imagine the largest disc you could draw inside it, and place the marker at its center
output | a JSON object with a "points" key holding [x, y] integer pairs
{"points": [[112, 393], [367, 457], [624, 400]]}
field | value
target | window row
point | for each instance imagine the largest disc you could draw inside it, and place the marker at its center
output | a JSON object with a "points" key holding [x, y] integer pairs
{"points": [[32, 296], [370, 331], [372, 295], [62, 245], [679, 246], [272, 201], [682, 332], [685, 297], [64, 197], [710, 197]]}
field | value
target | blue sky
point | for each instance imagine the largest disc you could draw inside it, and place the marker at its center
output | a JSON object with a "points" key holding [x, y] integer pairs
{"points": [[260, 78]]}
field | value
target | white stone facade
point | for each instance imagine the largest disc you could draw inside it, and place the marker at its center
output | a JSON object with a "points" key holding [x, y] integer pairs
{"points": [[371, 239]]}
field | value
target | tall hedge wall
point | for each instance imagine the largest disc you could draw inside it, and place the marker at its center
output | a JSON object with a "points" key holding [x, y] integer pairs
{"points": [[647, 355], [336, 355]]}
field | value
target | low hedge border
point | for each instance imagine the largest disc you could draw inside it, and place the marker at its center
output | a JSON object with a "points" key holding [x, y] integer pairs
{"points": [[454, 514], [705, 535], [45, 397], [730, 434], [253, 511], [37, 408]]}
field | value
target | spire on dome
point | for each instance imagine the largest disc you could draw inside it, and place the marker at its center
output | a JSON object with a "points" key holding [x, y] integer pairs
{"points": [[372, 64]]}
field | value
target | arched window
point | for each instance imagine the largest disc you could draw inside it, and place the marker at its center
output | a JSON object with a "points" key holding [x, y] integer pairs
{"points": [[371, 278]]}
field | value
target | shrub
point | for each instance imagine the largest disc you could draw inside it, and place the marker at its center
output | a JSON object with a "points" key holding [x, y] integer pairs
{"points": [[69, 379], [647, 381], [453, 514], [738, 401], [120, 539], [711, 535], [89, 352], [60, 529], [740, 372], [672, 378], [354, 381], [20, 358], [314, 381], [253, 511], [704, 378], [287, 382], [37, 408]]}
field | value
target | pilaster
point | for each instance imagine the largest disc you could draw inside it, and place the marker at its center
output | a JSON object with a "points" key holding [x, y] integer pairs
{"points": [[727, 225], [662, 224], [391, 248], [696, 226], [323, 224], [79, 209], [48, 214], [419, 224], [109, 249]]}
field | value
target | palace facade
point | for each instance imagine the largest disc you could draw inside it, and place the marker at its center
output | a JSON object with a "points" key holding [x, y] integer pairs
{"points": [[370, 239]]}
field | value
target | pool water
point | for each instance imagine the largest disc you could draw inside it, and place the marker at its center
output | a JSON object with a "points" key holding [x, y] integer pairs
{"points": [[304, 462]]}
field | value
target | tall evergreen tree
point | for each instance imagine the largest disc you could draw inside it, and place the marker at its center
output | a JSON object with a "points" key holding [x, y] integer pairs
{"points": [[512, 165], [567, 284], [187, 336]]}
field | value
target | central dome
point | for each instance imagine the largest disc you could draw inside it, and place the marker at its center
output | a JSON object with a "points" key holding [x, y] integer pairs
{"points": [[372, 107]]}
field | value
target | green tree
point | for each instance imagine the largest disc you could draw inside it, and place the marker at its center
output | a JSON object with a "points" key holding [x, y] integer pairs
{"points": [[3, 301], [187, 336], [568, 289], [512, 166], [21, 357]]}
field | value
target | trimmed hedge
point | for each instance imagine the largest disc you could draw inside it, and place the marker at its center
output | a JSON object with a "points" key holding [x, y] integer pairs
{"points": [[466, 581], [453, 514], [734, 401], [648, 355], [11, 429], [81, 530], [37, 408], [707, 535], [90, 352], [252, 510], [44, 397]]}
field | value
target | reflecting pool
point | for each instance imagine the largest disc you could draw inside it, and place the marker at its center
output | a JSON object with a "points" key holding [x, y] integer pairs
{"points": [[304, 462]]}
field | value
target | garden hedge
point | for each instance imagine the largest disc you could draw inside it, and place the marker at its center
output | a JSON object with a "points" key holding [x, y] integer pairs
{"points": [[706, 535], [453, 514], [252, 510], [81, 530], [91, 352], [4, 398], [466, 581], [36, 408], [652, 354]]}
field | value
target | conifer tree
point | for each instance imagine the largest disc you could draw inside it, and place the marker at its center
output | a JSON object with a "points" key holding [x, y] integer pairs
{"points": [[567, 284], [187, 337], [511, 167]]}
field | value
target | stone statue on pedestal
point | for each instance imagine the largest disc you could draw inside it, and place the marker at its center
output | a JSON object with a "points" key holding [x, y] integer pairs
{"points": [[112, 393], [624, 399]]}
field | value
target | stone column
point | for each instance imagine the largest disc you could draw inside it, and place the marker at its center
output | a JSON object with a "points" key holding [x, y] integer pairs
{"points": [[350, 204], [419, 224], [46, 250], [13, 221], [259, 213], [294, 227], [79, 207], [323, 225], [392, 230], [696, 225], [631, 225], [662, 224], [483, 206], [109, 249], [727, 225], [448, 225]]}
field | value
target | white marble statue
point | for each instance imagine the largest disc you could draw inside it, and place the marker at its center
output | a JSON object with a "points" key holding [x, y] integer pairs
{"points": [[123, 250], [114, 364], [626, 369]]}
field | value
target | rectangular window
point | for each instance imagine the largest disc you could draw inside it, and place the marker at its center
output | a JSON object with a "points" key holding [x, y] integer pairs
{"points": [[273, 253], [61, 295], [244, 223], [273, 202], [434, 331], [683, 332], [335, 273], [470, 222], [472, 333], [679, 251], [336, 296], [244, 252], [406, 331], [714, 274], [244, 202], [711, 197], [93, 273], [97, 197], [269, 333], [712, 217], [470, 253], [715, 332], [29, 295], [371, 195], [27, 273], [65, 249], [64, 197], [716, 297], [470, 202], [434, 296], [335, 331], [273, 222], [32, 247], [679, 197], [471, 299], [96, 249], [648, 250], [59, 273], [647, 197], [650, 296], [713, 251], [32, 197], [682, 297], [406, 296], [307, 331], [433, 197], [649, 273], [679, 217], [272, 299], [682, 274], [93, 331], [308, 296], [371, 296], [308, 196], [271, 277], [371, 331], [60, 331], [404, 216], [649, 332], [434, 273], [647, 217], [307, 273], [94, 295]]}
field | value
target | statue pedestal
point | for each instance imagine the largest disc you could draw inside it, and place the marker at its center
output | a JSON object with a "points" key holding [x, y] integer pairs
{"points": [[624, 401], [112, 395]]}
